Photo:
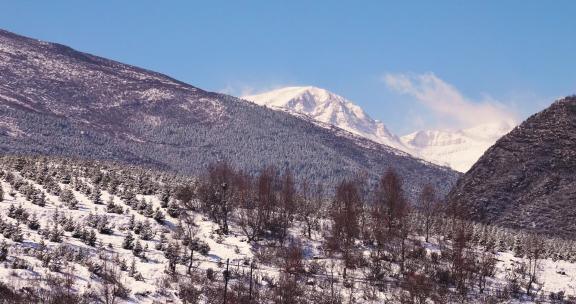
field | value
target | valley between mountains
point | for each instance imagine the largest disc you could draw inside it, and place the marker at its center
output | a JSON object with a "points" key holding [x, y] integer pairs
{"points": [[123, 185]]}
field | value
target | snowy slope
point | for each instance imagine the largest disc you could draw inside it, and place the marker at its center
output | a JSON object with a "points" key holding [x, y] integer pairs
{"points": [[327, 107], [36, 261], [458, 149]]}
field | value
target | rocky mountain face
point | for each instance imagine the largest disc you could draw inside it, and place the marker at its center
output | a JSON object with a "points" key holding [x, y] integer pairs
{"points": [[528, 178], [457, 149], [58, 101]]}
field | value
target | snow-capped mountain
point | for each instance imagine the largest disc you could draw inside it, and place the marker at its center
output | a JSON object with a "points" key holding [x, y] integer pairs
{"points": [[458, 149], [330, 108]]}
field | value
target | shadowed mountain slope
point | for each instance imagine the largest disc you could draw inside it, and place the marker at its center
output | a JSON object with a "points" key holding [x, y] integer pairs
{"points": [[528, 178]]}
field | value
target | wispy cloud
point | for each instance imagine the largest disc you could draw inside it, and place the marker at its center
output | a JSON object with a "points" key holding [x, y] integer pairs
{"points": [[238, 91], [446, 103], [241, 90]]}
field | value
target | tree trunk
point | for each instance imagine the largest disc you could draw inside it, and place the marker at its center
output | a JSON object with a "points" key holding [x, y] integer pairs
{"points": [[191, 260]]}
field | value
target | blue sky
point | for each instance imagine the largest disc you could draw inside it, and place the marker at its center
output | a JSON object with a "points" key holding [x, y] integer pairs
{"points": [[511, 56]]}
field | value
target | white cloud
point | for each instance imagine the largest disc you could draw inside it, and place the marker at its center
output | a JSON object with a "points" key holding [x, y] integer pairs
{"points": [[446, 103]]}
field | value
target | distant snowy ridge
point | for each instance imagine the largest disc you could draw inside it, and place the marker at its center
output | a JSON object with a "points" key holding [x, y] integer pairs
{"points": [[458, 149]]}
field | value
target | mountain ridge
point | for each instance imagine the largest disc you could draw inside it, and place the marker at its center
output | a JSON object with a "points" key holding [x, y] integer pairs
{"points": [[526, 180], [57, 101]]}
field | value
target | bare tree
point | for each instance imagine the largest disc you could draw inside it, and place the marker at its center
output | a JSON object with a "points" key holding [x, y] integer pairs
{"points": [[293, 258], [534, 246], [216, 193], [392, 195], [287, 205], [345, 213], [250, 215], [266, 196], [429, 205], [390, 216], [485, 268], [190, 230], [112, 289], [310, 205], [462, 256]]}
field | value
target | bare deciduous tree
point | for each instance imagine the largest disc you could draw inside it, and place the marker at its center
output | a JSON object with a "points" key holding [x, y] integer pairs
{"points": [[429, 206]]}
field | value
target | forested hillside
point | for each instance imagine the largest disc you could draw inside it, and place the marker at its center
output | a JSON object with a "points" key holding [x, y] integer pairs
{"points": [[527, 179], [58, 101]]}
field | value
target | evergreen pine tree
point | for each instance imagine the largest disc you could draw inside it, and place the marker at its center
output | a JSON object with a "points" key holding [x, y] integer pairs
{"points": [[148, 210], [96, 196], [142, 204], [3, 251], [159, 215], [132, 272], [12, 211], [66, 179], [132, 222], [123, 266], [137, 250], [161, 244], [91, 240], [16, 234], [78, 232], [55, 234], [40, 199], [29, 192], [20, 213], [112, 207], [69, 224], [164, 197], [129, 198], [173, 210], [128, 242], [33, 223], [172, 253], [146, 231], [67, 197]]}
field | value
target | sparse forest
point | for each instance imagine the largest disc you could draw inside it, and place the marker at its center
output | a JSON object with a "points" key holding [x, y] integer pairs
{"points": [[95, 232]]}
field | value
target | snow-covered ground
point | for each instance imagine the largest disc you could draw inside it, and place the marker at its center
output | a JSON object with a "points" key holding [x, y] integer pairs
{"points": [[153, 283]]}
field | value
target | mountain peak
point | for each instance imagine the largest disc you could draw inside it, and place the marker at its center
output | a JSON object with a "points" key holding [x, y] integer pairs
{"points": [[327, 107]]}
